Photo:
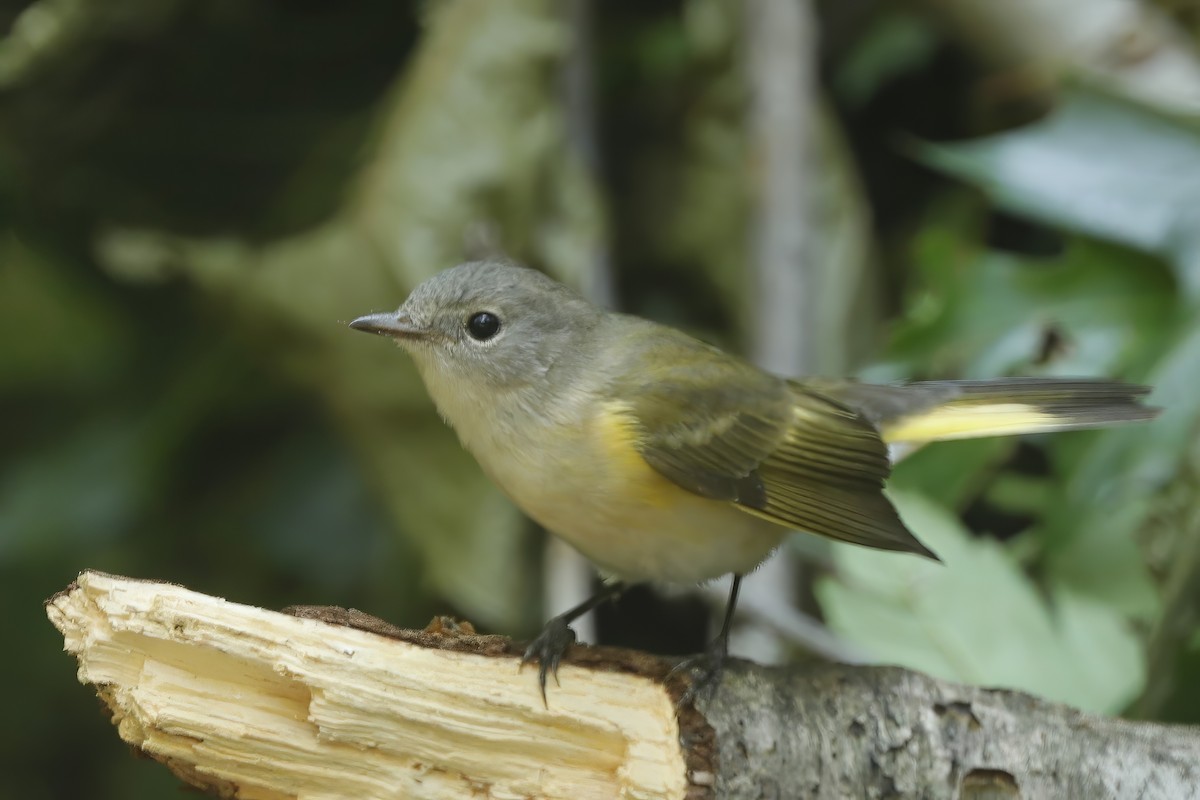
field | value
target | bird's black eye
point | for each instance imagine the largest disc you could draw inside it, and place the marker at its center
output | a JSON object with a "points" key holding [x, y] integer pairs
{"points": [[483, 326]]}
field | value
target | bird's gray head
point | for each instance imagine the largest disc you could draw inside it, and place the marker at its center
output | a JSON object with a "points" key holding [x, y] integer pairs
{"points": [[487, 325]]}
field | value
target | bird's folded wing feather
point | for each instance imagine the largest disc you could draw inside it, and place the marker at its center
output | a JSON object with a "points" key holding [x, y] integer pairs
{"points": [[726, 430]]}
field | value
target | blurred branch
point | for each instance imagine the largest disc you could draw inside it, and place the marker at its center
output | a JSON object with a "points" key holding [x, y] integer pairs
{"points": [[780, 44], [566, 582], [810, 232], [579, 98], [1132, 46], [780, 47], [251, 703], [1171, 537], [567, 578], [808, 235]]}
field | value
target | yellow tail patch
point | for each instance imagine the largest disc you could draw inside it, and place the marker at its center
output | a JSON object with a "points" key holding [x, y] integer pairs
{"points": [[969, 422]]}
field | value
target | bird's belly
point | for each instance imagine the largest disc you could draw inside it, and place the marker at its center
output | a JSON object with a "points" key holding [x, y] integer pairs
{"points": [[634, 523]]}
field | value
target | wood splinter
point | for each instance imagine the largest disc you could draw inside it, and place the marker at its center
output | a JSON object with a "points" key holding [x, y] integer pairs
{"points": [[328, 702]]}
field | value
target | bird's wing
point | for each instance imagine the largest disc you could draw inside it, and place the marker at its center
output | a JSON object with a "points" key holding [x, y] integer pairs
{"points": [[707, 422], [726, 430], [827, 475]]}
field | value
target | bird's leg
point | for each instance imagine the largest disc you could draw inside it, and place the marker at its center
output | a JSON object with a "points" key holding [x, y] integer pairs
{"points": [[706, 668], [720, 645], [556, 636]]}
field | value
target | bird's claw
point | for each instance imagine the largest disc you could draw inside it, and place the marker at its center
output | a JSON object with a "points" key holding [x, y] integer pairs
{"points": [[704, 672], [548, 649]]}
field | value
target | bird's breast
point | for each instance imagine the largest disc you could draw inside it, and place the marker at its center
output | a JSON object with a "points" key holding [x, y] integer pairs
{"points": [[582, 478]]}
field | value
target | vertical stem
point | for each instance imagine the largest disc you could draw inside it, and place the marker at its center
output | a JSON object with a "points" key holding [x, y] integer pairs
{"points": [[780, 49], [579, 90], [567, 575], [780, 44]]}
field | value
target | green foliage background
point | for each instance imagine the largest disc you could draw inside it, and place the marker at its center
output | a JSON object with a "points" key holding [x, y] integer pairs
{"points": [[194, 197]]}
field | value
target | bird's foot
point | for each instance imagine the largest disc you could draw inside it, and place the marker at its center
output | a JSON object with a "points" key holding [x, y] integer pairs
{"points": [[548, 649], [703, 670]]}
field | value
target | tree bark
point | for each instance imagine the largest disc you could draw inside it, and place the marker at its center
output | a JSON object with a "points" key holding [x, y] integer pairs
{"points": [[828, 731], [329, 702]]}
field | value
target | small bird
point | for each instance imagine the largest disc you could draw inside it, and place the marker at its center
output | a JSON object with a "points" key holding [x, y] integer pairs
{"points": [[662, 458]]}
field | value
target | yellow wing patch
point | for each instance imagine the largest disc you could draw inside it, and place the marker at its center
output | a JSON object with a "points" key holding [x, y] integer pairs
{"points": [[618, 437]]}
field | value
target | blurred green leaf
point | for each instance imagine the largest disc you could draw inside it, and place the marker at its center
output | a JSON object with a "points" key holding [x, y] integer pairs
{"points": [[978, 618], [953, 472], [1090, 534], [896, 41], [1021, 494], [981, 314], [1100, 165], [124, 113], [1107, 311], [475, 139], [78, 491], [1183, 704], [472, 144], [56, 331]]}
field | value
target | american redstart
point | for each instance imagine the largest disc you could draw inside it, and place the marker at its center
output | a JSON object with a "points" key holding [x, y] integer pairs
{"points": [[662, 458]]}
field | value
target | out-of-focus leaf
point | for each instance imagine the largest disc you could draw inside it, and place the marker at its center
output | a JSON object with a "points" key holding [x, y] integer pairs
{"points": [[978, 618], [1106, 311], [1099, 165], [475, 137], [896, 41], [49, 30], [55, 332], [124, 112], [690, 197], [1109, 312], [1095, 551], [313, 515], [473, 140], [78, 492], [1150, 453], [1090, 534], [1021, 494], [1106, 655], [986, 314], [951, 472], [1183, 704]]}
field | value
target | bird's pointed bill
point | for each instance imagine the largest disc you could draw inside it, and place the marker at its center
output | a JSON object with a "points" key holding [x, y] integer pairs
{"points": [[391, 323]]}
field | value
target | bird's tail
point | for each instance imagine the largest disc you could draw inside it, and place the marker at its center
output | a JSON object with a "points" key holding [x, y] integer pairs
{"points": [[930, 411]]}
